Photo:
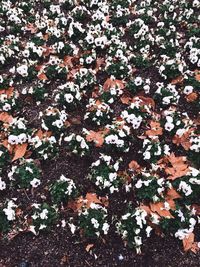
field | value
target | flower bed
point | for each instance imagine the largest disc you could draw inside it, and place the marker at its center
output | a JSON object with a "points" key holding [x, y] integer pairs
{"points": [[113, 84]]}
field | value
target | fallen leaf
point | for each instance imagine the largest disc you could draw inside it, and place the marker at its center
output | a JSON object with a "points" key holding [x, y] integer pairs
{"points": [[5, 117], [88, 247], [192, 97], [126, 100], [188, 242], [42, 77], [19, 151], [96, 137], [179, 167], [110, 83], [159, 208], [177, 80], [133, 165], [172, 193], [155, 130]]}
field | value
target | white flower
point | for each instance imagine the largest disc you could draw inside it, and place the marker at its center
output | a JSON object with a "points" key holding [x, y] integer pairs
{"points": [[187, 190], [138, 81], [72, 227], [23, 70], [188, 90], [95, 223], [169, 126], [146, 155], [105, 228], [35, 182], [43, 214], [9, 211], [2, 185], [13, 139], [69, 98]]}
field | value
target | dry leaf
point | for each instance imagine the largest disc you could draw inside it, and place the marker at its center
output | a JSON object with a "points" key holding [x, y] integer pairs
{"points": [[188, 242], [88, 247], [160, 209], [19, 151], [155, 130], [109, 83], [133, 165], [42, 76], [171, 193], [179, 167], [192, 97], [5, 117]]}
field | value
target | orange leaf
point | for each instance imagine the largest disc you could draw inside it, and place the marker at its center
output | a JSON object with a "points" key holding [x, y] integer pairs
{"points": [[88, 247], [126, 100], [5, 117], [42, 76], [160, 209], [197, 75], [156, 129], [109, 83], [188, 242], [177, 80], [192, 97], [134, 165], [179, 167], [20, 151], [171, 193], [97, 137]]}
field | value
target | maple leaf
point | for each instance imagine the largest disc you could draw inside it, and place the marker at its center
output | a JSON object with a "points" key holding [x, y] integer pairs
{"points": [[188, 241], [97, 137], [172, 194], [197, 75], [109, 83], [192, 97], [159, 208], [177, 80], [155, 130], [126, 100], [19, 151], [5, 117], [134, 166], [42, 76], [179, 167], [183, 140]]}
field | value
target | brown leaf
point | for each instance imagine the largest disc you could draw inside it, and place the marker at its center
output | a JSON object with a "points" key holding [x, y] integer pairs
{"points": [[134, 166], [155, 130], [109, 83], [126, 100], [177, 80], [96, 137], [5, 117], [197, 75], [192, 97], [188, 242], [88, 247], [42, 77], [179, 167], [20, 151], [171, 193], [160, 209]]}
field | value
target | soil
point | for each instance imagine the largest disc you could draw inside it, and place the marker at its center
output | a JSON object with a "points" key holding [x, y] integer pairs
{"points": [[58, 248]]}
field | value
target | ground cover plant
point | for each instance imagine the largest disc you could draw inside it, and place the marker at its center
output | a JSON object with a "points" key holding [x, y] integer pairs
{"points": [[99, 125]]}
